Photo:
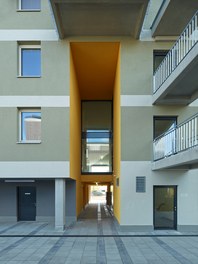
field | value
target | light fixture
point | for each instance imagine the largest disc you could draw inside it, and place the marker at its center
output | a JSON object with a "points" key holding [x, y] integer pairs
{"points": [[19, 181]]}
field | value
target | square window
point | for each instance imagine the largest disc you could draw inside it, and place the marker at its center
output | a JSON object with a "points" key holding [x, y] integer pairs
{"points": [[30, 61], [29, 4], [163, 124], [30, 125]]}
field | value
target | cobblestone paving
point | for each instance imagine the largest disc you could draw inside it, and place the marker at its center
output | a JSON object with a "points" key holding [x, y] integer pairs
{"points": [[93, 239]]}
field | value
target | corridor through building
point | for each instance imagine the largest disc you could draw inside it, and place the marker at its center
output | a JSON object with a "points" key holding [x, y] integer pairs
{"points": [[96, 219], [96, 211]]}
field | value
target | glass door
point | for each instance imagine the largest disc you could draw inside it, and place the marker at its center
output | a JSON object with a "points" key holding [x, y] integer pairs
{"points": [[165, 207]]}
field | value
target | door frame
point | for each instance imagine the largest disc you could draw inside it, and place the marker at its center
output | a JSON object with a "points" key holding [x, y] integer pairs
{"points": [[175, 207]]}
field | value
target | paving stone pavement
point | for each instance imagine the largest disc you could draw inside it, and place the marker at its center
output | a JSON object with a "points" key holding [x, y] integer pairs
{"points": [[93, 239]]}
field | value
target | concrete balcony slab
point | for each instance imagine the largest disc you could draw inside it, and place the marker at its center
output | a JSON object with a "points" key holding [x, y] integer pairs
{"points": [[172, 17], [99, 18], [181, 87], [183, 160]]}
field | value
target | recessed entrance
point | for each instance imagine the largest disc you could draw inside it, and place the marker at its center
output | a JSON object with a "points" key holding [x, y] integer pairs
{"points": [[26, 203], [165, 207]]}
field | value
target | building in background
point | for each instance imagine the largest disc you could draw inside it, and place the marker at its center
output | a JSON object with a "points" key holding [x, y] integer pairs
{"points": [[99, 93]]}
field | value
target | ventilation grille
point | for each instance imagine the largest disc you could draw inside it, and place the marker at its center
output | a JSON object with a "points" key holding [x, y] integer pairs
{"points": [[141, 184]]}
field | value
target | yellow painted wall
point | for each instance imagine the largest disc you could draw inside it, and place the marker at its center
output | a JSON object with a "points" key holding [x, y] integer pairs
{"points": [[78, 65], [75, 136], [95, 64], [116, 141], [86, 194]]}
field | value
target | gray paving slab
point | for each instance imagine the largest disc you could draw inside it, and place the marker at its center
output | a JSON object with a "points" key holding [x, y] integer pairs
{"points": [[157, 247]]}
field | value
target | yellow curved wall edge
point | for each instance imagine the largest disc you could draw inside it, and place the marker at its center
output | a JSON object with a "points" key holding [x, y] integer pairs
{"points": [[75, 135]]}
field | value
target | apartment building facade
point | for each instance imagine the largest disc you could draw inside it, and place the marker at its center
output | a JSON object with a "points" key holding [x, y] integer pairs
{"points": [[99, 93]]}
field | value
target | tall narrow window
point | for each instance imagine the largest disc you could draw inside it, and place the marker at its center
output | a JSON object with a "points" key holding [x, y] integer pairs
{"points": [[158, 56], [30, 5], [30, 61], [30, 125], [164, 136], [97, 137]]}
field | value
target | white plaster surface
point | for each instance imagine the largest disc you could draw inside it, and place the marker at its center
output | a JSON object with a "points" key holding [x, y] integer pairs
{"points": [[137, 208]]}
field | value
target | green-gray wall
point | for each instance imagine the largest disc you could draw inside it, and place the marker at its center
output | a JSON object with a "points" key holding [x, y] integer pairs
{"points": [[54, 144], [136, 79], [54, 78], [11, 18]]}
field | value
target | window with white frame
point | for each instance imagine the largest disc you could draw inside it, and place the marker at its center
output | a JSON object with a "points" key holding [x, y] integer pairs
{"points": [[30, 60], [30, 5], [30, 125]]}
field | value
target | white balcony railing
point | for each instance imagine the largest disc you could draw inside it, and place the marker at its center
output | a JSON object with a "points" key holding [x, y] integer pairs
{"points": [[181, 138], [183, 45]]}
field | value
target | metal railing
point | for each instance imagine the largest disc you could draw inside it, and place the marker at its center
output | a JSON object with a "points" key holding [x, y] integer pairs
{"points": [[183, 45], [181, 138]]}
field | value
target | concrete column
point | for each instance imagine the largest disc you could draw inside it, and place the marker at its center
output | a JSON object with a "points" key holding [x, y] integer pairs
{"points": [[60, 204]]}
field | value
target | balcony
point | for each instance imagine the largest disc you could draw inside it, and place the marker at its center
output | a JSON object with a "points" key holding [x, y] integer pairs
{"points": [[99, 18], [178, 147], [172, 17], [176, 80]]}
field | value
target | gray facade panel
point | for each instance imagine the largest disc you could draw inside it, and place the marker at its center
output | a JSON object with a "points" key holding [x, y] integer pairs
{"points": [[70, 200], [44, 199], [137, 66], [136, 134], [8, 204]]}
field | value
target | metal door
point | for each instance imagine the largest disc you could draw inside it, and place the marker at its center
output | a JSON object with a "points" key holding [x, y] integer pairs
{"points": [[26, 203]]}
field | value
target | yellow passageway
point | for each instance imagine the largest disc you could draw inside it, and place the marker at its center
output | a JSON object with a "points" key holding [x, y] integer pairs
{"points": [[94, 75]]}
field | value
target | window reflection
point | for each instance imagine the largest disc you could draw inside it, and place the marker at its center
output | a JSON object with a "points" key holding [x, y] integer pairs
{"points": [[30, 126], [30, 62], [30, 4], [97, 151], [96, 137], [164, 206]]}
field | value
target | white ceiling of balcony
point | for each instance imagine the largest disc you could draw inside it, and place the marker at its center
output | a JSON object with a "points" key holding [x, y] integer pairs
{"points": [[99, 17], [173, 17]]}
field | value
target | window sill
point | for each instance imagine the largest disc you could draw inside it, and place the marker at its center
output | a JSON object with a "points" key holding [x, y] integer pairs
{"points": [[29, 142], [19, 76], [28, 10]]}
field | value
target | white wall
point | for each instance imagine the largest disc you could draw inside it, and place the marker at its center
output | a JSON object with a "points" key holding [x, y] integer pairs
{"points": [[137, 208]]}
